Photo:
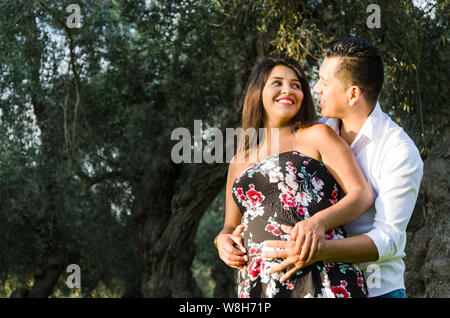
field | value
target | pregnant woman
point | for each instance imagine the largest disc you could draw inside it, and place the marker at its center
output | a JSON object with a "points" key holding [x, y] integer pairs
{"points": [[312, 182]]}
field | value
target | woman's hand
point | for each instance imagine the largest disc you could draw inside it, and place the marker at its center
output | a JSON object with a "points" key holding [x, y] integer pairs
{"points": [[307, 234], [287, 250], [231, 249]]}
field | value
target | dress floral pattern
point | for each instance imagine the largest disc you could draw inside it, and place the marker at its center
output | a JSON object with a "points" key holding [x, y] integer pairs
{"points": [[285, 189]]}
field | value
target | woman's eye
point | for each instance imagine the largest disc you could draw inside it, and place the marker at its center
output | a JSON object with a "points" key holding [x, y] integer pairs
{"points": [[297, 86], [277, 83]]}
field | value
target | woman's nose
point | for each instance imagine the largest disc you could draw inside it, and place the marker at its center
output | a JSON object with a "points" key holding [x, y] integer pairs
{"points": [[286, 89]]}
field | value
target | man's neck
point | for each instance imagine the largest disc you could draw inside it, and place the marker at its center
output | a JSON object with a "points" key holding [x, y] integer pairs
{"points": [[352, 124]]}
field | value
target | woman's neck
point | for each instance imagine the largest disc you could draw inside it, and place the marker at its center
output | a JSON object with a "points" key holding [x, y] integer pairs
{"points": [[273, 137]]}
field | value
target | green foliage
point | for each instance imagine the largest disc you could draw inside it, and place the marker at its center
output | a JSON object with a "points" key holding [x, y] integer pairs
{"points": [[412, 39], [85, 112]]}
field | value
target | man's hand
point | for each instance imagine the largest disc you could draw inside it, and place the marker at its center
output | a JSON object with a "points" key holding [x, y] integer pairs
{"points": [[307, 234], [288, 251], [231, 249]]}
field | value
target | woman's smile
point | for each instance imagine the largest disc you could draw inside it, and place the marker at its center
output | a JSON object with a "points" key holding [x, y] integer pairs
{"points": [[282, 96], [286, 101]]}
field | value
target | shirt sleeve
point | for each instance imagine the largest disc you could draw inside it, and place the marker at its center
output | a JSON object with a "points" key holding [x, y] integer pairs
{"points": [[401, 174]]}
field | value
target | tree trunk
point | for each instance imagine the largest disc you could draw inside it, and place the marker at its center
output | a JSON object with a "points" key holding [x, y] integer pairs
{"points": [[48, 273], [428, 254], [166, 222], [166, 236], [151, 213], [53, 255]]}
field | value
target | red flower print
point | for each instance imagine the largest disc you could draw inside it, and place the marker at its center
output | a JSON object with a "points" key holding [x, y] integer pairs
{"points": [[254, 196], [334, 193], [255, 268], [244, 295], [255, 251], [329, 235], [290, 286], [273, 229], [360, 282], [288, 200], [300, 209], [339, 292], [240, 193], [305, 163]]}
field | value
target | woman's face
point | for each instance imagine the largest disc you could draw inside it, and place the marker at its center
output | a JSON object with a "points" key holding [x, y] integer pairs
{"points": [[282, 96]]}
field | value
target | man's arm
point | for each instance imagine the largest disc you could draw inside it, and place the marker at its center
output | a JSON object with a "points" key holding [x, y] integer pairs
{"points": [[356, 249], [398, 188], [399, 185]]}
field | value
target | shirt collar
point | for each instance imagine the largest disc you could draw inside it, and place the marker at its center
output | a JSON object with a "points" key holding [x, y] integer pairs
{"points": [[369, 128]]}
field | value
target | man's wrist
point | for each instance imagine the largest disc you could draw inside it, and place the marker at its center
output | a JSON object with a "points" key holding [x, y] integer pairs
{"points": [[318, 219], [322, 251]]}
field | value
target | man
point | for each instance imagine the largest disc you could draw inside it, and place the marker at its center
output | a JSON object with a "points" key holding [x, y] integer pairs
{"points": [[350, 80]]}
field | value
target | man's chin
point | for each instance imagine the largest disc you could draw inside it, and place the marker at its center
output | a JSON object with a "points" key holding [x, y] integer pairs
{"points": [[324, 113]]}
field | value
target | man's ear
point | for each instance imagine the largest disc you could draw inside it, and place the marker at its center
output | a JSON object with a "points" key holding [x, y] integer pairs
{"points": [[354, 93]]}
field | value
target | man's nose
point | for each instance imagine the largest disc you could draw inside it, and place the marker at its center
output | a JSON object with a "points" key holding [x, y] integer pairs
{"points": [[316, 88]]}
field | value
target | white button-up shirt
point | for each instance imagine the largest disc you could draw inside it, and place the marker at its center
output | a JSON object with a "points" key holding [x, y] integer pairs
{"points": [[393, 167]]}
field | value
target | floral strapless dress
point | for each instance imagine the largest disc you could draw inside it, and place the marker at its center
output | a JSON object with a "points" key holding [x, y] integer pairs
{"points": [[285, 189]]}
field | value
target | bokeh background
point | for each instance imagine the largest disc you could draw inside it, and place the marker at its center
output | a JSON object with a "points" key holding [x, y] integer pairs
{"points": [[87, 112]]}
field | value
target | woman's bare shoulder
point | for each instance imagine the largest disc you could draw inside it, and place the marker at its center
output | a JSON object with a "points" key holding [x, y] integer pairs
{"points": [[239, 162], [315, 134]]}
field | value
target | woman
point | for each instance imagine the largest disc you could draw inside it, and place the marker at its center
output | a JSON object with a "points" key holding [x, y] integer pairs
{"points": [[299, 185]]}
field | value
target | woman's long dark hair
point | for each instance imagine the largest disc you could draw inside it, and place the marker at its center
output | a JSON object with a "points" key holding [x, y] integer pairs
{"points": [[252, 112]]}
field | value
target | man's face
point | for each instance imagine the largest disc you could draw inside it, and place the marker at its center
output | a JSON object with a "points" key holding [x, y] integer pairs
{"points": [[331, 91]]}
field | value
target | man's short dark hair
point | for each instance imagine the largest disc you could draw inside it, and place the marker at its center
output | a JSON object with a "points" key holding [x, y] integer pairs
{"points": [[360, 65]]}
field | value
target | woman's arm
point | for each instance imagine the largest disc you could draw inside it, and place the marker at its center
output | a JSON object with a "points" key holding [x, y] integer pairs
{"points": [[229, 241], [338, 158]]}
